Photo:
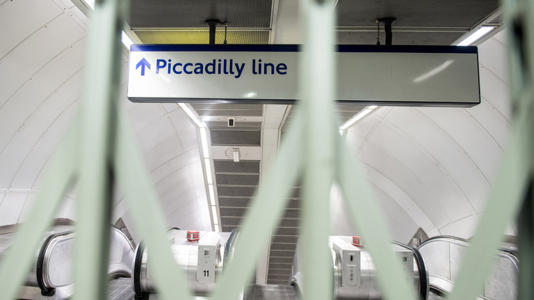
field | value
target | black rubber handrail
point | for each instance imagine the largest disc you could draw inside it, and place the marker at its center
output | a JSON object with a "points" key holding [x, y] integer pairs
{"points": [[230, 244], [139, 294]]}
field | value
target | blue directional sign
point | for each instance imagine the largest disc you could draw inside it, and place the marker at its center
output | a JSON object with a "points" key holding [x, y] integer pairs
{"points": [[392, 75], [143, 63]]}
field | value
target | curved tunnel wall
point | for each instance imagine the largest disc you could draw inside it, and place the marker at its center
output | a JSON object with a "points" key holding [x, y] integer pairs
{"points": [[433, 167], [41, 68]]}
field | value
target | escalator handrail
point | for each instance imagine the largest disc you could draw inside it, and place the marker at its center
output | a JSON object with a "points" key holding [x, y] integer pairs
{"points": [[39, 265], [138, 260], [442, 237], [229, 245], [503, 252]]}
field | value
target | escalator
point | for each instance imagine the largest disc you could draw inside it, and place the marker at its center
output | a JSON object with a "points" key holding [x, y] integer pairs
{"points": [[51, 272], [354, 272], [431, 267], [271, 292], [202, 257], [443, 256]]}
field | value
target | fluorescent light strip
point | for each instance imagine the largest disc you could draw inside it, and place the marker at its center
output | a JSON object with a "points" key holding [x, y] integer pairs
{"points": [[209, 173], [89, 3], [204, 142], [192, 115], [211, 190], [215, 215], [476, 35], [364, 112], [125, 38]]}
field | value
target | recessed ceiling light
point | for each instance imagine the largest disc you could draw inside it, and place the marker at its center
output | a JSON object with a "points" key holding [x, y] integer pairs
{"points": [[476, 35], [364, 112]]}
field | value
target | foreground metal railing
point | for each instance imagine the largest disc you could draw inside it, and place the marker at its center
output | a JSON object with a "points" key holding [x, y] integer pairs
{"points": [[99, 151]]}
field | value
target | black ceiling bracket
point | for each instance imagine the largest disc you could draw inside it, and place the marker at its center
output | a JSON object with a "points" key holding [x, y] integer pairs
{"points": [[213, 27], [388, 21]]}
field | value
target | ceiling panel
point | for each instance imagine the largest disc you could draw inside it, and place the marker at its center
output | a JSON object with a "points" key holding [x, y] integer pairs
{"points": [[201, 36], [230, 110], [245, 166], [399, 38], [237, 179], [237, 125], [416, 13], [235, 137], [186, 13], [233, 201], [418, 22]]}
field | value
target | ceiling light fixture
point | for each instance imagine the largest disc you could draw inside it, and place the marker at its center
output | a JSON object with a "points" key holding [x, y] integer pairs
{"points": [[89, 3], [125, 38], [206, 161], [364, 112], [476, 35]]}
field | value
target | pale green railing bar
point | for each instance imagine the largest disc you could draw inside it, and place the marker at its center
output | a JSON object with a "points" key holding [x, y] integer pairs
{"points": [[134, 180], [369, 219], [509, 189], [263, 215], [316, 89], [96, 145], [506, 196]]}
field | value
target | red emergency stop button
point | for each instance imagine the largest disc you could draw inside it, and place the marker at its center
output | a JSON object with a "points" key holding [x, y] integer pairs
{"points": [[356, 241], [192, 236]]}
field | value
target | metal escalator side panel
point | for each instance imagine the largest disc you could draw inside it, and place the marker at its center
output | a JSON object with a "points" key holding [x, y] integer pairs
{"points": [[53, 267], [121, 256], [202, 260], [364, 285], [443, 255]]}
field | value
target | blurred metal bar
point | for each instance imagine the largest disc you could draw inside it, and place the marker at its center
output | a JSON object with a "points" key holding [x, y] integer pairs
{"points": [[58, 177], [526, 246], [508, 191], [505, 198], [96, 138], [143, 204], [519, 20], [316, 88], [369, 219], [263, 215]]}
